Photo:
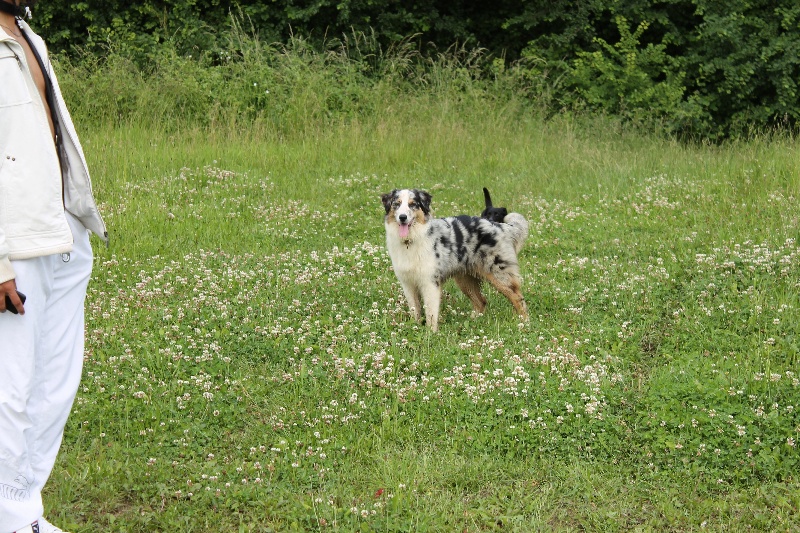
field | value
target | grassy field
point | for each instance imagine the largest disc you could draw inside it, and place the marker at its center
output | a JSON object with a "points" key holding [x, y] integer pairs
{"points": [[251, 365]]}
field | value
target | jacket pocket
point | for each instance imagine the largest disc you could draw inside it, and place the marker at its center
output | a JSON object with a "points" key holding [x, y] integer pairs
{"points": [[14, 89]]}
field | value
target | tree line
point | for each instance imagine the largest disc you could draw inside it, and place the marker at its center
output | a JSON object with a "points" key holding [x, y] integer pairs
{"points": [[701, 67]]}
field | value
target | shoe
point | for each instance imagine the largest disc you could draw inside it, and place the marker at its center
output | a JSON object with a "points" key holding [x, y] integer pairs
{"points": [[40, 526], [47, 527], [32, 528]]}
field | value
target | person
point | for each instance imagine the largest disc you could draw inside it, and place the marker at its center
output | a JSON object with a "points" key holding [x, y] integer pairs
{"points": [[46, 209]]}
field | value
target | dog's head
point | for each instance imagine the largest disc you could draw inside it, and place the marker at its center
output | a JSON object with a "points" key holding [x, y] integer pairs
{"points": [[406, 207], [495, 214]]}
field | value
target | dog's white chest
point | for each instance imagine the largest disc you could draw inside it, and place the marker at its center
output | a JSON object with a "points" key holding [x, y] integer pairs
{"points": [[411, 261]]}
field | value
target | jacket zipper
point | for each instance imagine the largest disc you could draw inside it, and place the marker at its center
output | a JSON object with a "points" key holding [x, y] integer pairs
{"points": [[19, 61], [16, 56]]}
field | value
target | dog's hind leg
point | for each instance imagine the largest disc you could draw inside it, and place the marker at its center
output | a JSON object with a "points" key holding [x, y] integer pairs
{"points": [[471, 286], [510, 287]]}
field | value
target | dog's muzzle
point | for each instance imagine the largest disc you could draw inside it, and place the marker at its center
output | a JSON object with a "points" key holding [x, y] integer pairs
{"points": [[404, 224]]}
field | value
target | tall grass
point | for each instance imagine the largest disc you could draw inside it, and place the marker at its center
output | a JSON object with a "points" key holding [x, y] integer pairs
{"points": [[283, 89], [251, 364]]}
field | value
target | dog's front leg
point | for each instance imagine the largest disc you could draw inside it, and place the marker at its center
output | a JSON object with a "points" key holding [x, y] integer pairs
{"points": [[432, 295], [414, 301]]}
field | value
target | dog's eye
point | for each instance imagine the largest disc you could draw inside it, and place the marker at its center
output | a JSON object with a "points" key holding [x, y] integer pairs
{"points": [[412, 204]]}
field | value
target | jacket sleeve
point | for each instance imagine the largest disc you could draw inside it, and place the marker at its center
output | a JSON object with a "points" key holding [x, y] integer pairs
{"points": [[6, 270]]}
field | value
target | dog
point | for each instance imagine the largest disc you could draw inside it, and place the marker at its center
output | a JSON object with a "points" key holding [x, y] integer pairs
{"points": [[495, 214], [427, 251]]}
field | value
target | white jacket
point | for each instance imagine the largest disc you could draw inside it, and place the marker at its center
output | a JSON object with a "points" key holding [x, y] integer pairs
{"points": [[33, 194]]}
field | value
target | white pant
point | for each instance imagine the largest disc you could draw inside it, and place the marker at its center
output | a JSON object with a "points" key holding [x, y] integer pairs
{"points": [[41, 357]]}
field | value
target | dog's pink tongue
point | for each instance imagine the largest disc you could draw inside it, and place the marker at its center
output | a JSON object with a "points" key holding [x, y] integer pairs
{"points": [[403, 231]]}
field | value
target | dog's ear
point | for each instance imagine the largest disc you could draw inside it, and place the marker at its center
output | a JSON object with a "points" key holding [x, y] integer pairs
{"points": [[387, 200], [424, 198], [487, 198]]}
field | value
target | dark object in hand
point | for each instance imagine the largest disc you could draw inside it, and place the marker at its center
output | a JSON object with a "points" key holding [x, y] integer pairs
{"points": [[10, 306]]}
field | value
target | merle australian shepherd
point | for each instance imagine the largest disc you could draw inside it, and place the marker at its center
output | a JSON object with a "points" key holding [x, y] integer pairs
{"points": [[427, 251]]}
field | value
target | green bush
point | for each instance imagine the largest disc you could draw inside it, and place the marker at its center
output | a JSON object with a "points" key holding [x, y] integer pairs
{"points": [[737, 62], [629, 80], [744, 61]]}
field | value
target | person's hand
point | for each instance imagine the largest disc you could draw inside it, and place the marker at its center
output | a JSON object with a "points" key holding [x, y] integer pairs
{"points": [[9, 289]]}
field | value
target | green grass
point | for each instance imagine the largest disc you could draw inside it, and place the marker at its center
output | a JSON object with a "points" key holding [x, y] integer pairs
{"points": [[251, 365], [255, 271]]}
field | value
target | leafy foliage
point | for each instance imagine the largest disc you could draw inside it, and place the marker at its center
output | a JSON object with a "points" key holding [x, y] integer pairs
{"points": [[737, 62], [700, 67], [627, 80], [745, 59]]}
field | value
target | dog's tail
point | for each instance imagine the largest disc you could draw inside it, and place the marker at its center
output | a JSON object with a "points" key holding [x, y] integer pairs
{"points": [[518, 230]]}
